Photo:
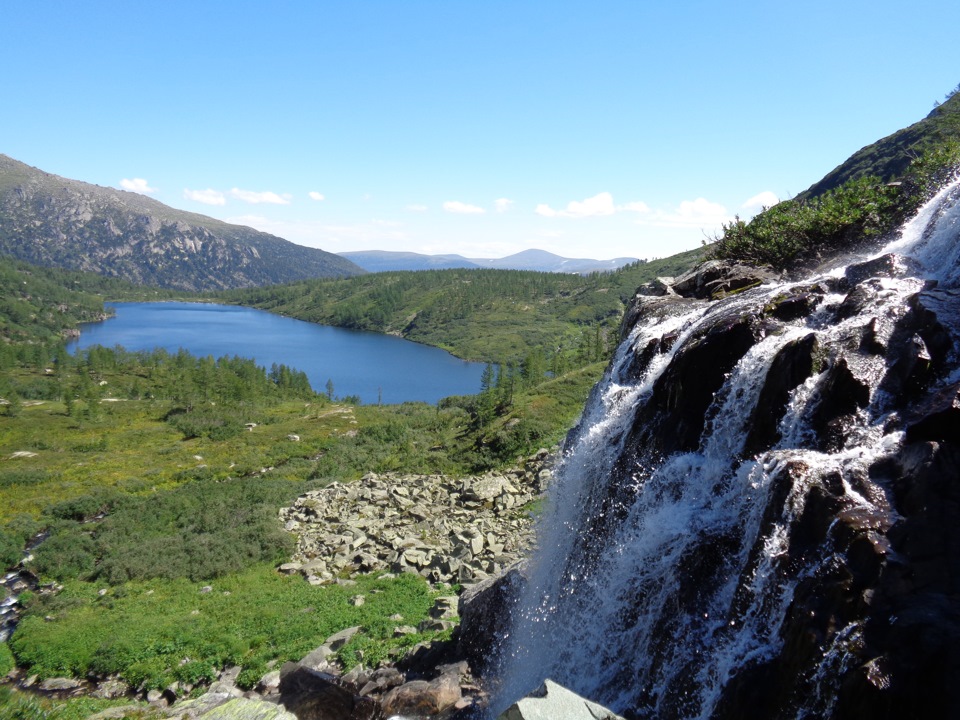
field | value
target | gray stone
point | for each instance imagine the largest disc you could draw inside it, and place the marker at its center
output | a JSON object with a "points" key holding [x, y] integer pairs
{"points": [[60, 684], [217, 706], [338, 640], [269, 683], [111, 689], [552, 702]]}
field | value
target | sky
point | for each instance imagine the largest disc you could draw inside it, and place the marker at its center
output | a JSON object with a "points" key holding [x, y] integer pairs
{"points": [[588, 129]]}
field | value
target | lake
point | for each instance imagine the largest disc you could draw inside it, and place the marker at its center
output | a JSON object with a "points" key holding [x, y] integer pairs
{"points": [[368, 365]]}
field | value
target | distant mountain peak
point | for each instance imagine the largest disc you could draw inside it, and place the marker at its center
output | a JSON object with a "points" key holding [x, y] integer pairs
{"points": [[57, 222]]}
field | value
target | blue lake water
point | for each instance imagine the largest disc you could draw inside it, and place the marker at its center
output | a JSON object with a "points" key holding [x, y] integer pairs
{"points": [[368, 365]]}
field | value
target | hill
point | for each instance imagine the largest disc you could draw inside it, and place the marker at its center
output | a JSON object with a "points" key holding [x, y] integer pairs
{"points": [[46, 304], [889, 158], [387, 260], [537, 260], [53, 221], [477, 314], [859, 203], [543, 261]]}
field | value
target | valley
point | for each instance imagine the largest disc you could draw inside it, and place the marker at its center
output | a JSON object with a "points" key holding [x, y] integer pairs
{"points": [[755, 460]]}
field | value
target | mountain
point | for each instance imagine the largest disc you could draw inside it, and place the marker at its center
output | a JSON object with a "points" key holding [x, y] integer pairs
{"points": [[544, 261], [889, 157], [53, 221], [386, 260], [539, 260]]}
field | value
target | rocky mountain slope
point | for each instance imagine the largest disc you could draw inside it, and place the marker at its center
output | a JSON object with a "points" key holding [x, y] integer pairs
{"points": [[53, 221], [890, 157]]}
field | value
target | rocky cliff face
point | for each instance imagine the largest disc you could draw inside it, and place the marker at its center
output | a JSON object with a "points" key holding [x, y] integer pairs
{"points": [[758, 515], [53, 221]]}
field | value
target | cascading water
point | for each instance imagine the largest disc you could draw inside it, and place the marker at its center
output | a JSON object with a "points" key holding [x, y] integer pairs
{"points": [[718, 529]]}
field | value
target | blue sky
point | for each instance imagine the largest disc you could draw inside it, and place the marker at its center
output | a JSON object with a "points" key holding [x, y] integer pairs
{"points": [[598, 129]]}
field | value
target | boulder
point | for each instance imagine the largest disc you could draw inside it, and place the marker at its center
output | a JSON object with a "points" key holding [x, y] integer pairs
{"points": [[60, 684], [717, 278], [552, 702], [213, 706], [111, 689], [311, 695], [423, 698], [485, 617]]}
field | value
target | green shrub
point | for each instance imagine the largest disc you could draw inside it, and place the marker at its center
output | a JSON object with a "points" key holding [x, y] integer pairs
{"points": [[216, 423], [794, 232], [7, 663], [204, 528], [86, 507], [11, 550], [250, 674], [23, 478], [69, 552], [800, 230]]}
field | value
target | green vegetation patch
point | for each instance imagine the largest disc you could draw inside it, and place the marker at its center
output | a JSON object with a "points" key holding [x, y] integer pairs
{"points": [[153, 633], [796, 233], [204, 528], [15, 705], [489, 315]]}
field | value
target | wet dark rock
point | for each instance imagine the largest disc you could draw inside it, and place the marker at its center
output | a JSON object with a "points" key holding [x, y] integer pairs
{"points": [[798, 303], [919, 346], [718, 278], [485, 616], [842, 395], [889, 265], [860, 298], [674, 418], [793, 364], [311, 695], [938, 419]]}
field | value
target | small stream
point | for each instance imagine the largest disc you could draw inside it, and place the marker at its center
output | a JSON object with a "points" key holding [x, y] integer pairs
{"points": [[17, 581]]}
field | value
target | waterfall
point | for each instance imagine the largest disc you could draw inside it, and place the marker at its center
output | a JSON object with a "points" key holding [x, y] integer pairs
{"points": [[677, 552]]}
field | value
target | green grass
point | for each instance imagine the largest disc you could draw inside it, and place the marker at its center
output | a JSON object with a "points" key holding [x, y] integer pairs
{"points": [[153, 633], [15, 705]]}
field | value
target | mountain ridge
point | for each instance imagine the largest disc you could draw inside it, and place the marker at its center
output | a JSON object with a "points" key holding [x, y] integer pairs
{"points": [[531, 259], [54, 221], [889, 157]]}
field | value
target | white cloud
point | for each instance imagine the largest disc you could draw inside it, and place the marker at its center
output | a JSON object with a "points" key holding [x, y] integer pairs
{"points": [[637, 207], [598, 205], [137, 185], [699, 213], [416, 208], [455, 206], [207, 197], [545, 210], [314, 195], [502, 204], [759, 202], [255, 198]]}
